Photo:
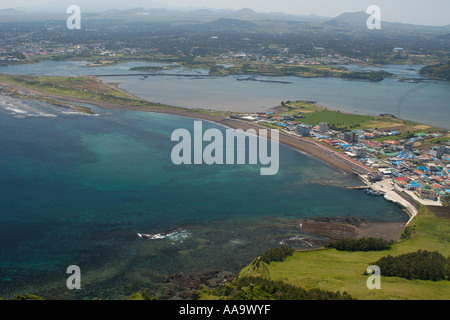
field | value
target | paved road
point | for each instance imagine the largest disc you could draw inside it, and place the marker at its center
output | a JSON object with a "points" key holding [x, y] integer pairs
{"points": [[386, 187]]}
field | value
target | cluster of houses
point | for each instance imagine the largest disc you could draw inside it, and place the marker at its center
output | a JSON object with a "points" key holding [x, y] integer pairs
{"points": [[321, 58], [30, 48], [424, 172]]}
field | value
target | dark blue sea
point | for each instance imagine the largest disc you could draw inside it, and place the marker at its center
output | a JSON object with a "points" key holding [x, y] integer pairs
{"points": [[76, 190]]}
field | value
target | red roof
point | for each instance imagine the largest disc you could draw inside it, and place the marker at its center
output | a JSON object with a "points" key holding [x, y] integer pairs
{"points": [[401, 178], [372, 143]]}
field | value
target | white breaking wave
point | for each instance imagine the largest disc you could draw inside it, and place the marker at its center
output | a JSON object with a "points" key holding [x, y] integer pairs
{"points": [[296, 239], [20, 109], [178, 234], [16, 110]]}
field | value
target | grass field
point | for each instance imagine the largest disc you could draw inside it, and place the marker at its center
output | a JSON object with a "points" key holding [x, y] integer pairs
{"points": [[78, 87], [329, 269], [314, 114]]}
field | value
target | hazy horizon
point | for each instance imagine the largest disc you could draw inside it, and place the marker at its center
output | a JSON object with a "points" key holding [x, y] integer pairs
{"points": [[431, 12]]}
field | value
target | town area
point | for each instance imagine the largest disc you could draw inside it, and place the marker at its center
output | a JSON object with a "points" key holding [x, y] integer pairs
{"points": [[413, 163]]}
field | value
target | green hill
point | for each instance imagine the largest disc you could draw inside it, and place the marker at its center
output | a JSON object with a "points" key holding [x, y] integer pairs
{"points": [[439, 71], [330, 270]]}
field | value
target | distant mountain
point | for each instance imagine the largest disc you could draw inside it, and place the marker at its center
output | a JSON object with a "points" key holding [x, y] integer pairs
{"points": [[349, 19], [96, 5], [153, 11], [202, 15], [11, 11], [100, 7], [245, 11], [357, 21]]}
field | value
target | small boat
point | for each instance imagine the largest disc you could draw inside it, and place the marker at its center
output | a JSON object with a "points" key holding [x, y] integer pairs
{"points": [[372, 192]]}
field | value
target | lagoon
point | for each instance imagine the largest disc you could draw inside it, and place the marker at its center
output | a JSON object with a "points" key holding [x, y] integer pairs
{"points": [[426, 102]]}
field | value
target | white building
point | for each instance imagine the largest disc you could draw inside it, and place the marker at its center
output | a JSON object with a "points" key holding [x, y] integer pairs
{"points": [[323, 127]]}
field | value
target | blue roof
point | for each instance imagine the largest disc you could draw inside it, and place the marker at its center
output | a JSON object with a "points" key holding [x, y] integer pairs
{"points": [[414, 184]]}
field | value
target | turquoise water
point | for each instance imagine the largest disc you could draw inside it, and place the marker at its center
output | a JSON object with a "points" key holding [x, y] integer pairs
{"points": [[77, 189]]}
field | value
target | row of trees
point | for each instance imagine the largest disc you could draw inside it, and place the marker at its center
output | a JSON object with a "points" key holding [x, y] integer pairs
{"points": [[362, 244], [371, 75], [257, 288], [277, 254], [423, 265]]}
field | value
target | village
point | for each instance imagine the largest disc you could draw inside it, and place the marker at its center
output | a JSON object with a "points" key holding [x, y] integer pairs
{"points": [[391, 163]]}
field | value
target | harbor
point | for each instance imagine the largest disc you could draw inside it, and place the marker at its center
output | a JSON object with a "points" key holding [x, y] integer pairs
{"points": [[391, 192]]}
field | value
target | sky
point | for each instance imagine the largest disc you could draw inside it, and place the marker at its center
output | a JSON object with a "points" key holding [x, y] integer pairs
{"points": [[424, 12]]}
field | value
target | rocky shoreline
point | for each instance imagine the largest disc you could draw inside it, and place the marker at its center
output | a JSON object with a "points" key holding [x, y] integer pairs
{"points": [[317, 231], [184, 286], [338, 228]]}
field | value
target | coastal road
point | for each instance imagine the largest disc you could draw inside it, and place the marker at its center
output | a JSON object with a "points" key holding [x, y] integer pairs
{"points": [[334, 152]]}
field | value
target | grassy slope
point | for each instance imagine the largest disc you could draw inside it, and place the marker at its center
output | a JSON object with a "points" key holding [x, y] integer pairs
{"points": [[334, 270]]}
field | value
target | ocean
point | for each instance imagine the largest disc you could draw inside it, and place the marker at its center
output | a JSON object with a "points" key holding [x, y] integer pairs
{"points": [[77, 190]]}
